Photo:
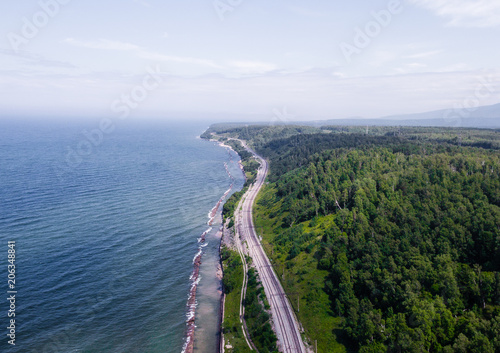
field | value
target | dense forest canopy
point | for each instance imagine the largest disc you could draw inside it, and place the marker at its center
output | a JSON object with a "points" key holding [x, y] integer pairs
{"points": [[409, 235]]}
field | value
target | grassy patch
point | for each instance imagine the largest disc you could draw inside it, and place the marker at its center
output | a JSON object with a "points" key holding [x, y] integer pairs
{"points": [[299, 276], [231, 204], [233, 279]]}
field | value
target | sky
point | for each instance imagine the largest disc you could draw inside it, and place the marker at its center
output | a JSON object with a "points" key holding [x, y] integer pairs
{"points": [[246, 59]]}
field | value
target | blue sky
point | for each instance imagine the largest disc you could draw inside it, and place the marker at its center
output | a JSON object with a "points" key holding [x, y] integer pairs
{"points": [[246, 58]]}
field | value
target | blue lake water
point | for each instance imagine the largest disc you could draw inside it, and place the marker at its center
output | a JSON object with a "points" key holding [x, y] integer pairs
{"points": [[106, 231]]}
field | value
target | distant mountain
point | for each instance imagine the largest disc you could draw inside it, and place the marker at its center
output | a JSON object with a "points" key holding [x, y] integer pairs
{"points": [[482, 117], [486, 117]]}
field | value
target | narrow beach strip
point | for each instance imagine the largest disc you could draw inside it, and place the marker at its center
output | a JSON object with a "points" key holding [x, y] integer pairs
{"points": [[195, 276]]}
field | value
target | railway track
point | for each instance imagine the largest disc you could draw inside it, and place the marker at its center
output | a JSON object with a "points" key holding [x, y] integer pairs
{"points": [[287, 328]]}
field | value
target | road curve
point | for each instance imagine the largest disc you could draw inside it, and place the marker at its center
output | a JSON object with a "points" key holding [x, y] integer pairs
{"points": [[287, 329]]}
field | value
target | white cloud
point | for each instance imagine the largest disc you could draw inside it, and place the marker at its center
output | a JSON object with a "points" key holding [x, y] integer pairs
{"points": [[252, 66], [32, 59], [106, 44], [102, 44], [466, 13], [312, 94], [424, 54], [236, 67], [411, 68], [302, 11], [149, 55], [453, 68]]}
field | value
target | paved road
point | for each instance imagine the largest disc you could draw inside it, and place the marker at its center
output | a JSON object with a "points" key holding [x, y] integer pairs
{"points": [[286, 326]]}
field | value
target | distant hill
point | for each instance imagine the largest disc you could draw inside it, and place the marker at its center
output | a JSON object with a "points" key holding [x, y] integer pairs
{"points": [[482, 117], [485, 117]]}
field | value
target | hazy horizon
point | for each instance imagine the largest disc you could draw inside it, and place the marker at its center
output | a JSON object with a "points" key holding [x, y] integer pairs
{"points": [[243, 60]]}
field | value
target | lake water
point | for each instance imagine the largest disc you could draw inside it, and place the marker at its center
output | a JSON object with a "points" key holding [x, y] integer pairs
{"points": [[106, 230]]}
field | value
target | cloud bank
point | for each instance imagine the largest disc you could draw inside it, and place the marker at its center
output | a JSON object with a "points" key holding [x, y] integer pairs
{"points": [[465, 13]]}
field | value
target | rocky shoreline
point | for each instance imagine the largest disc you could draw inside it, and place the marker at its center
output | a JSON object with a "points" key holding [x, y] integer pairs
{"points": [[197, 261]]}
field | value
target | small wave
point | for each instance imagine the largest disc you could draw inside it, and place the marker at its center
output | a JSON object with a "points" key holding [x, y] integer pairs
{"points": [[198, 254], [196, 282], [201, 239], [190, 314], [186, 344]]}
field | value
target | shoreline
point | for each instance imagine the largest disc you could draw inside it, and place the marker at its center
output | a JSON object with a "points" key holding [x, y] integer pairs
{"points": [[226, 232], [221, 267], [222, 300], [189, 345]]}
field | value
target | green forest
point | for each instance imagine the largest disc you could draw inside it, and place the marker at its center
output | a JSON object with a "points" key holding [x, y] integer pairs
{"points": [[389, 237]]}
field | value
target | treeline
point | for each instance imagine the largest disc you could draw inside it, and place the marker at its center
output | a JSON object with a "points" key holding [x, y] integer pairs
{"points": [[414, 238], [412, 246], [482, 138], [295, 152]]}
